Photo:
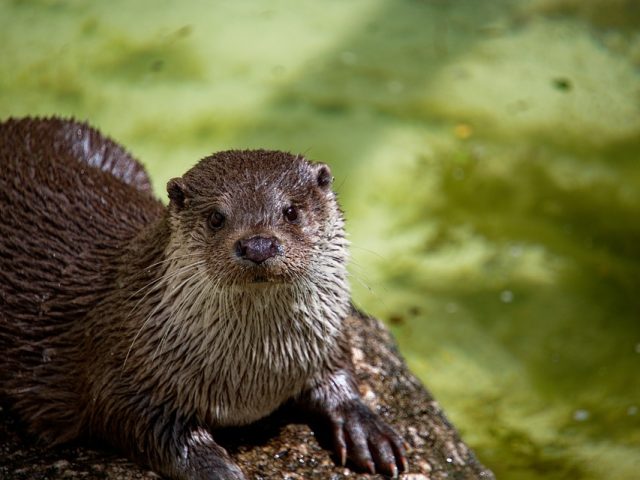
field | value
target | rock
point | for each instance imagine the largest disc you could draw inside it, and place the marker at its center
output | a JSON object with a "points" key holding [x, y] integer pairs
{"points": [[283, 446]]}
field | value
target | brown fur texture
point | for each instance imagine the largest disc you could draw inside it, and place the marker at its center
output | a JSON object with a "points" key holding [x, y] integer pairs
{"points": [[149, 326]]}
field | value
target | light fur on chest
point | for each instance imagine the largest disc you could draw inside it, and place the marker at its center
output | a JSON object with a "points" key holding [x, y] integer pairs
{"points": [[233, 354]]}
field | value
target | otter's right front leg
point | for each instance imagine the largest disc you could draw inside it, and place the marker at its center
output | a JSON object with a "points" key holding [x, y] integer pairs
{"points": [[180, 450], [197, 456]]}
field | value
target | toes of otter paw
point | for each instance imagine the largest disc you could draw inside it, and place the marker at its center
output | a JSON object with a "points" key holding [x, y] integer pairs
{"points": [[361, 437]]}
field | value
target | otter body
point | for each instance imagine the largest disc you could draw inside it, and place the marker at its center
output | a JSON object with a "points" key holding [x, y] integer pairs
{"points": [[149, 326]]}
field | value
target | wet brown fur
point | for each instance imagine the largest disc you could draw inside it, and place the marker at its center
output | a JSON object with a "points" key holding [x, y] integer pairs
{"points": [[51, 276], [136, 323]]}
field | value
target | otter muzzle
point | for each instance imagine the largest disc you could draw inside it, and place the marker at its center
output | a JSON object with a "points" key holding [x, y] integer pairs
{"points": [[257, 249]]}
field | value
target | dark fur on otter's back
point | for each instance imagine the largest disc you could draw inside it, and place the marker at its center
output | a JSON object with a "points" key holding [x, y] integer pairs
{"points": [[149, 326]]}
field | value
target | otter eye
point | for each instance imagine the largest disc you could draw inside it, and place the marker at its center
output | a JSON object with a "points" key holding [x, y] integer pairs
{"points": [[291, 214], [216, 220]]}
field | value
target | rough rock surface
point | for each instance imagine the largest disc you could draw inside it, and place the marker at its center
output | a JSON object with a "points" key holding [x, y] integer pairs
{"points": [[283, 446]]}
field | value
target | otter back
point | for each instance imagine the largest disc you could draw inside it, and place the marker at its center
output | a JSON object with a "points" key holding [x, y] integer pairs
{"points": [[69, 200]]}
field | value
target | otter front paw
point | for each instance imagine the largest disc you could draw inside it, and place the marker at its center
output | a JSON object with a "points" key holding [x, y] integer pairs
{"points": [[364, 439], [228, 471], [204, 459]]}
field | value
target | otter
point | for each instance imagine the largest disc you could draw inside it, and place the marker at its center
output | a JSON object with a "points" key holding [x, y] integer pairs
{"points": [[150, 327]]}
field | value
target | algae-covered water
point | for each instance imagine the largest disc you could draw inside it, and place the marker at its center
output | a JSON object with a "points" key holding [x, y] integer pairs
{"points": [[487, 155]]}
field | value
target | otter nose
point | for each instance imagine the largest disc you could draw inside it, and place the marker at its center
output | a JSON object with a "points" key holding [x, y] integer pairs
{"points": [[258, 249]]}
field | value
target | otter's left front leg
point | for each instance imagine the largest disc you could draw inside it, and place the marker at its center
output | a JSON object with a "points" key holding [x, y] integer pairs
{"points": [[358, 433]]}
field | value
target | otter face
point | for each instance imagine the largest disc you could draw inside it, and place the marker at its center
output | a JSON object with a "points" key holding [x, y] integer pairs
{"points": [[258, 216]]}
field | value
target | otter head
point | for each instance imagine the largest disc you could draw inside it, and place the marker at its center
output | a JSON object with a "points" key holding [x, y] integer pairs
{"points": [[256, 216]]}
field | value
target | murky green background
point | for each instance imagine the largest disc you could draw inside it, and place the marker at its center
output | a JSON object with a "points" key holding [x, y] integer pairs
{"points": [[486, 154]]}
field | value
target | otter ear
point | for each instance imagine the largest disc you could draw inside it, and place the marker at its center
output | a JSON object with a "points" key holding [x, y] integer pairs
{"points": [[323, 176], [176, 190]]}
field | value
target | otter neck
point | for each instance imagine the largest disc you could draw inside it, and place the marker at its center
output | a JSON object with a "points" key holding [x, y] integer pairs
{"points": [[248, 347]]}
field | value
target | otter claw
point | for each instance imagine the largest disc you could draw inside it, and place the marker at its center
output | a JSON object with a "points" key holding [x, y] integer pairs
{"points": [[405, 464], [371, 467], [367, 442], [343, 456]]}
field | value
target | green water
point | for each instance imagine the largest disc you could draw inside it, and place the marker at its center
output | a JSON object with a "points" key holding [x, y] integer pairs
{"points": [[486, 154]]}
